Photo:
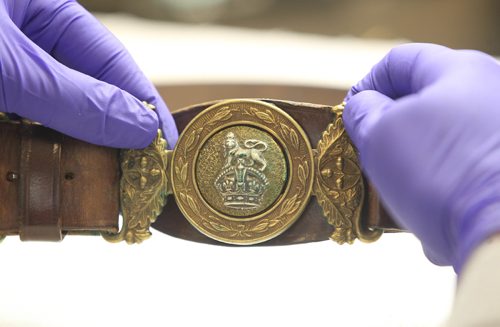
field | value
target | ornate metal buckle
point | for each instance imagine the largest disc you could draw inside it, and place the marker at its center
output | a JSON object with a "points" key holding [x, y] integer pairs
{"points": [[143, 189], [242, 173], [341, 197]]}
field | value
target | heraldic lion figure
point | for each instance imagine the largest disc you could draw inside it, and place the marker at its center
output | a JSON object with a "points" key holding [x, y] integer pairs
{"points": [[250, 152]]}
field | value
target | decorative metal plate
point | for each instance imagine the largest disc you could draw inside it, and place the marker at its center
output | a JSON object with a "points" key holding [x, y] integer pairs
{"points": [[339, 185], [242, 171], [143, 189]]}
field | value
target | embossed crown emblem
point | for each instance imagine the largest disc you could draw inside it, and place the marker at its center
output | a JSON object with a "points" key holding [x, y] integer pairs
{"points": [[242, 181]]}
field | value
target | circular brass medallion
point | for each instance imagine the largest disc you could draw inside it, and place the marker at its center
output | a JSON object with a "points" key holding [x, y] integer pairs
{"points": [[242, 171]]}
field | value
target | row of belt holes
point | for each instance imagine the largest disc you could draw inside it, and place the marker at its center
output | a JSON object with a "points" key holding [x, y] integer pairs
{"points": [[13, 176]]}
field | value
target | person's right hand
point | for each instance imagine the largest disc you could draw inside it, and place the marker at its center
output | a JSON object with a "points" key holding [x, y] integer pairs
{"points": [[60, 67], [426, 122]]}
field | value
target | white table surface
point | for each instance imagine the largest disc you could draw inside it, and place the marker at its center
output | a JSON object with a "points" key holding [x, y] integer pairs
{"points": [[85, 281]]}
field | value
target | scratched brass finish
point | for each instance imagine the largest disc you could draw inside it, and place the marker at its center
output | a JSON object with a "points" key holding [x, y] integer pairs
{"points": [[242, 150], [339, 185]]}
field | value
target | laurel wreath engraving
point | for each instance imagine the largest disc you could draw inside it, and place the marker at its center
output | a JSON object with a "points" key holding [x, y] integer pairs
{"points": [[223, 115], [288, 207], [282, 213], [285, 130]]}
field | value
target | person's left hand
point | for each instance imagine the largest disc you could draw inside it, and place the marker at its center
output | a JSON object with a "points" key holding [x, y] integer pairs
{"points": [[60, 67]]}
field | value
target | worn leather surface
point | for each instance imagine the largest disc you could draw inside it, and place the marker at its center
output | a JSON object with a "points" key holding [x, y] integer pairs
{"points": [[38, 195], [51, 184], [312, 225]]}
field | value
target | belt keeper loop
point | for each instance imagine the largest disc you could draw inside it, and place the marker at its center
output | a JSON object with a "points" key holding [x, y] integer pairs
{"points": [[39, 191]]}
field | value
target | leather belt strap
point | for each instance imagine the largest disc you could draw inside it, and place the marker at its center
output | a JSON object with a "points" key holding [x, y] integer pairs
{"points": [[39, 194], [52, 185], [380, 218]]}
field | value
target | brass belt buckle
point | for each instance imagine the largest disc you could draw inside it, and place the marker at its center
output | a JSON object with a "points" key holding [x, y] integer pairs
{"points": [[242, 173]]}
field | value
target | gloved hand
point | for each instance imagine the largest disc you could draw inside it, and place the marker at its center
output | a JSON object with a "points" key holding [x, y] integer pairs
{"points": [[60, 67], [426, 122]]}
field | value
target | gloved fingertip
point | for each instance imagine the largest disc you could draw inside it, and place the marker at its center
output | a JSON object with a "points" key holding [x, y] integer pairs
{"points": [[362, 112], [170, 135], [143, 130], [352, 92], [126, 122], [434, 257], [167, 123]]}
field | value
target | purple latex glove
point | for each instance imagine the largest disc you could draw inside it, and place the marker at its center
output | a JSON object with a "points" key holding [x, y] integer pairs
{"points": [[426, 121], [59, 66]]}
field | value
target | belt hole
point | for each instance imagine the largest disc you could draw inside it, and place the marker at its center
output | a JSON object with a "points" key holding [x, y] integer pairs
{"points": [[69, 176], [12, 176]]}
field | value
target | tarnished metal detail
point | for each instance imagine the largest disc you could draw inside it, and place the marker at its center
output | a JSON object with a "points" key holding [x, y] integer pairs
{"points": [[143, 190], [242, 182], [339, 185], [274, 160], [144, 186], [241, 171], [250, 152]]}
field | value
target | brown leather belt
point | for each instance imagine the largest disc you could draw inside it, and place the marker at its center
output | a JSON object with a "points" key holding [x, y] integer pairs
{"points": [[52, 185]]}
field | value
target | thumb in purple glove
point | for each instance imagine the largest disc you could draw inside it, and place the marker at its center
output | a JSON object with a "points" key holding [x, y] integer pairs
{"points": [[426, 122], [59, 66]]}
